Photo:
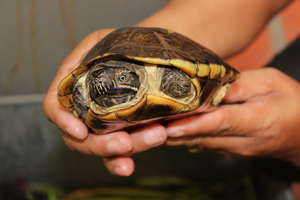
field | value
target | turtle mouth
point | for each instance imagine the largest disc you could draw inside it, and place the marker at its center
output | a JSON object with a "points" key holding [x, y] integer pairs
{"points": [[116, 96], [122, 91]]}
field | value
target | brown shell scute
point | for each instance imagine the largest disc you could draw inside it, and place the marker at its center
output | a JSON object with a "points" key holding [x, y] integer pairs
{"points": [[154, 43]]}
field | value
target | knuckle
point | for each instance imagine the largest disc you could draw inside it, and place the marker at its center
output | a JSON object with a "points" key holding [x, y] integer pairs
{"points": [[98, 145], [125, 146], [248, 152], [97, 35], [94, 34], [273, 140], [161, 134], [249, 148], [102, 32], [93, 149], [273, 72], [195, 142], [260, 147], [273, 76], [118, 143], [224, 125]]}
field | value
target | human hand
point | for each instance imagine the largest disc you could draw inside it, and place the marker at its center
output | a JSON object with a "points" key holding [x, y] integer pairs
{"points": [[115, 148], [261, 119]]}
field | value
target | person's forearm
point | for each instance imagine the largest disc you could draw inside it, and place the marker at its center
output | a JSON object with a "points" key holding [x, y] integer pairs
{"points": [[225, 26]]}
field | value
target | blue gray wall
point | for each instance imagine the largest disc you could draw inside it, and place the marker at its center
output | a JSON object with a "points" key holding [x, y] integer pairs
{"points": [[36, 35]]}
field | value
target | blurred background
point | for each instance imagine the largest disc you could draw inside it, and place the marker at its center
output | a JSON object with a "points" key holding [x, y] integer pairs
{"points": [[35, 36]]}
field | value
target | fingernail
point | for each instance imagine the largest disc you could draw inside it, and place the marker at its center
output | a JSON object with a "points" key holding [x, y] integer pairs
{"points": [[117, 147], [174, 132], [153, 138], [121, 170]]}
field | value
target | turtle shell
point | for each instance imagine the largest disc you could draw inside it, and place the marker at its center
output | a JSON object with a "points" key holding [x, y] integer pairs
{"points": [[158, 53]]}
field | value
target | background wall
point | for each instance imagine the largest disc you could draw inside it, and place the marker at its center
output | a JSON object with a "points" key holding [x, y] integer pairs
{"points": [[36, 35], [281, 31]]}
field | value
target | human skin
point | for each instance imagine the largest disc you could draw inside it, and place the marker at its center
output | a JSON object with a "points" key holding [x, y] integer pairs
{"points": [[262, 125], [261, 119]]}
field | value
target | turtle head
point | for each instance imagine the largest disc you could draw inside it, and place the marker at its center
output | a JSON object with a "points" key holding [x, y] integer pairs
{"points": [[112, 83], [175, 83]]}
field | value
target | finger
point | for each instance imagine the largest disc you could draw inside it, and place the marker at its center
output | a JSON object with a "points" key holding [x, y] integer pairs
{"points": [[252, 83], [233, 145], [227, 120], [117, 143], [120, 166], [53, 110], [63, 119], [148, 137]]}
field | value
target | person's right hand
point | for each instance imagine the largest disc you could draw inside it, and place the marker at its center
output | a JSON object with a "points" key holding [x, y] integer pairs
{"points": [[115, 148]]}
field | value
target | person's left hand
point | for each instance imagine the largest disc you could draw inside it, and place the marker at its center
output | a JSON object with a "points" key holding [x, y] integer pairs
{"points": [[115, 148], [262, 118]]}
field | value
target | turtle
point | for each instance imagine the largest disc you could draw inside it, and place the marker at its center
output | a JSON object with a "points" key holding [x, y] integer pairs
{"points": [[140, 75]]}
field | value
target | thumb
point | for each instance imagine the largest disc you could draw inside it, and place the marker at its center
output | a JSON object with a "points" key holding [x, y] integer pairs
{"points": [[252, 83], [227, 120]]}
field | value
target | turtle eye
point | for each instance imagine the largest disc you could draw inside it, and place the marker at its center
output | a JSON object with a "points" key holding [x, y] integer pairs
{"points": [[127, 78], [123, 77]]}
